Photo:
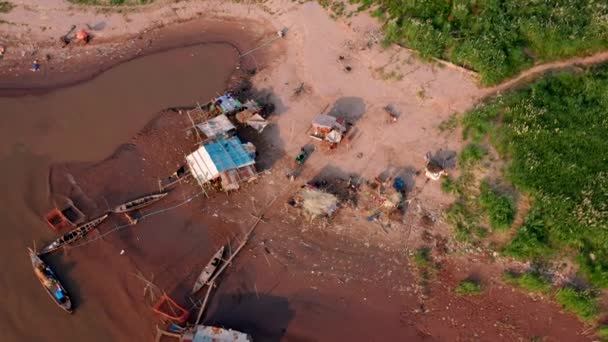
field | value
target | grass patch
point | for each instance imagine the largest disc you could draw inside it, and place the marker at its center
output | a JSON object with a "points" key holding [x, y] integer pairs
{"points": [[471, 155], [6, 6], [582, 303], [529, 281], [469, 287], [449, 124], [496, 38], [422, 257], [499, 207], [602, 332], [552, 135]]}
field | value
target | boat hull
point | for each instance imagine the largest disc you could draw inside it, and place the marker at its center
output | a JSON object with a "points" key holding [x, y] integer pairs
{"points": [[139, 203], [208, 271], [50, 283]]}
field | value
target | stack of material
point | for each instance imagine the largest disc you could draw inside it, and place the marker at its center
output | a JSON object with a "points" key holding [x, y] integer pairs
{"points": [[317, 203]]}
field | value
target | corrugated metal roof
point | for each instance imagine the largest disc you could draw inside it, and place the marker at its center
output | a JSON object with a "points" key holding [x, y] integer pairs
{"points": [[228, 154], [216, 334]]}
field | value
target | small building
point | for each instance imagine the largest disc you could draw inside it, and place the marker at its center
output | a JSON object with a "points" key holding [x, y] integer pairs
{"points": [[251, 115], [326, 127], [225, 158], [217, 127]]}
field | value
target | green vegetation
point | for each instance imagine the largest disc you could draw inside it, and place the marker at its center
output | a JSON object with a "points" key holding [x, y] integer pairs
{"points": [[422, 258], [499, 207], [449, 124], [6, 6], [496, 38], [531, 281], [471, 154], [582, 303], [602, 332], [468, 287], [553, 136]]}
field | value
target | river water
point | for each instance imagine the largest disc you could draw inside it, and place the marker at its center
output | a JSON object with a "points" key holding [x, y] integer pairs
{"points": [[85, 122]]}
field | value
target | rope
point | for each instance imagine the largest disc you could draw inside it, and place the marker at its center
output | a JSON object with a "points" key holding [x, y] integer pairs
{"points": [[160, 211]]}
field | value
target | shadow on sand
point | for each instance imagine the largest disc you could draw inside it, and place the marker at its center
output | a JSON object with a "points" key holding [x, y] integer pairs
{"points": [[264, 317]]}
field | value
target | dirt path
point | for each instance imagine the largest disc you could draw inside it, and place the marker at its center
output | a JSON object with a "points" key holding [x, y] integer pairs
{"points": [[540, 70]]}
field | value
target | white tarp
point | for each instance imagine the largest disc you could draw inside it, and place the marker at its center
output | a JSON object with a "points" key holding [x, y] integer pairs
{"points": [[216, 126], [202, 166]]}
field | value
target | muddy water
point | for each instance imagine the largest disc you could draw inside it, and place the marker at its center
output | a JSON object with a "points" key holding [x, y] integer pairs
{"points": [[83, 122]]}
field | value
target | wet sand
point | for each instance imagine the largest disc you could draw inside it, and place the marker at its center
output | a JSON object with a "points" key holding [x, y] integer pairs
{"points": [[86, 123]]}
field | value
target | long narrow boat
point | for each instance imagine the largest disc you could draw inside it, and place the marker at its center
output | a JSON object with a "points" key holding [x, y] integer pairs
{"points": [[139, 203], [208, 271], [73, 235], [50, 283]]}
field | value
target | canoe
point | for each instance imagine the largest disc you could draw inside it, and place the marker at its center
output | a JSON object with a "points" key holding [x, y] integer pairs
{"points": [[208, 271], [50, 283], [139, 203], [73, 235]]}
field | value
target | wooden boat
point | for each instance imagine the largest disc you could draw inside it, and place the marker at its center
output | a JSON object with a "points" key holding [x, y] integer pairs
{"points": [[208, 271], [50, 282], [73, 235], [139, 203]]}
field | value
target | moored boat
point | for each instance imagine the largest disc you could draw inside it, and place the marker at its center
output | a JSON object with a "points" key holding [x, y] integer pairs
{"points": [[73, 235], [139, 203], [208, 271], [50, 283]]}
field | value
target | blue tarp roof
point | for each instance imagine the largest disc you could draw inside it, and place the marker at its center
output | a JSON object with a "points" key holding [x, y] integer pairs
{"points": [[228, 154], [228, 103]]}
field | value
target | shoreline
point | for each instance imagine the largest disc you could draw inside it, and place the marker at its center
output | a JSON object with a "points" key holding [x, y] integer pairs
{"points": [[61, 73], [364, 272]]}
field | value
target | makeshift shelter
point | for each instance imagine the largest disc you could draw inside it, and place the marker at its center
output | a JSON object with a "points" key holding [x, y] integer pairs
{"points": [[204, 333], [216, 127], [226, 104], [224, 156], [251, 116], [326, 127], [433, 170]]}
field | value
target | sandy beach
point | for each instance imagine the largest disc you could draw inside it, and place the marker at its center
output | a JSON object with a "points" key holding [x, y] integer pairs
{"points": [[297, 279]]}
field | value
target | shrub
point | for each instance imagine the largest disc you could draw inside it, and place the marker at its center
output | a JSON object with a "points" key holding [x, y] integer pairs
{"points": [[530, 281], [602, 332], [422, 258], [581, 303], [468, 287], [6, 6], [448, 185], [470, 155], [499, 207]]}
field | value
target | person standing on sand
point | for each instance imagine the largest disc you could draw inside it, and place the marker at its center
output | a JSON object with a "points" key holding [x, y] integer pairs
{"points": [[2, 50], [35, 65]]}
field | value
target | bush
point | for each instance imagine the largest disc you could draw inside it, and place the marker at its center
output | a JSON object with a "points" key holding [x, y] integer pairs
{"points": [[468, 287], [470, 155], [582, 303], [499, 207], [422, 258], [529, 281], [448, 185], [602, 332]]}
